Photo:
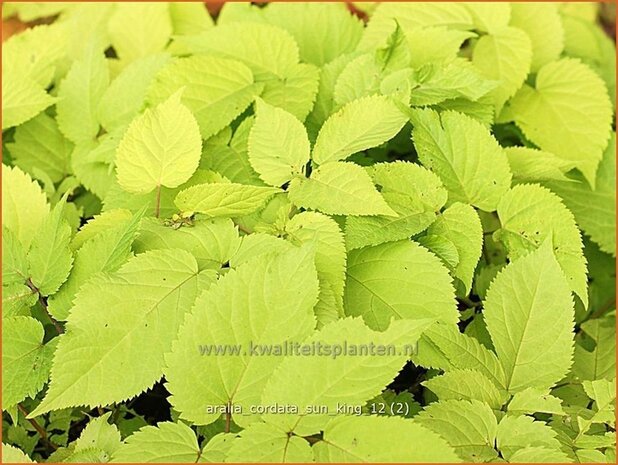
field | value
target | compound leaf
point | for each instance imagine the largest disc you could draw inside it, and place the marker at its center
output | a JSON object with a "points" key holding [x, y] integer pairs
{"points": [[145, 304]]}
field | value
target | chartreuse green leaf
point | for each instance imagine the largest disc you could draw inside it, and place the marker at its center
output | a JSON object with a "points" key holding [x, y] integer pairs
{"points": [[411, 16], [224, 199], [458, 79], [520, 432], [100, 223], [278, 146], [330, 259], [594, 208], [323, 31], [466, 384], [80, 93], [253, 245], [588, 41], [212, 86], [567, 97], [211, 241], [189, 18], [413, 192], [379, 439], [463, 153], [166, 442], [39, 145], [296, 92], [161, 147], [489, 17], [17, 296], [267, 300], [267, 50], [504, 55], [540, 454], [529, 215], [125, 96], [24, 205], [217, 448], [530, 165], [34, 53], [339, 188], [533, 400], [529, 315], [229, 156], [11, 454], [542, 24], [261, 442], [437, 46], [461, 225], [330, 384], [369, 291], [50, 257], [22, 99], [105, 252], [359, 125], [600, 362], [26, 360], [365, 75], [603, 392], [444, 347], [100, 434], [139, 29], [468, 426], [145, 304]]}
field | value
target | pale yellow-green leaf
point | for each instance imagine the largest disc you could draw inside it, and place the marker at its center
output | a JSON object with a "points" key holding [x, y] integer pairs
{"points": [[331, 383], [504, 56], [530, 214], [567, 112], [263, 302], [145, 304], [380, 439], [162, 147], [370, 292], [360, 125], [212, 86], [166, 442], [138, 29], [26, 360], [529, 315], [224, 199], [594, 209], [261, 443], [468, 426], [24, 205], [464, 154], [339, 188], [278, 146], [542, 23], [413, 192]]}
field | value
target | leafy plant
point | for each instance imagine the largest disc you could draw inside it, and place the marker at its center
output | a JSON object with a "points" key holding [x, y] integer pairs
{"points": [[184, 200]]}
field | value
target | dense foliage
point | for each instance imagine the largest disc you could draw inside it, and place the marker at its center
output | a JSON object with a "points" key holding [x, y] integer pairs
{"points": [[433, 175]]}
